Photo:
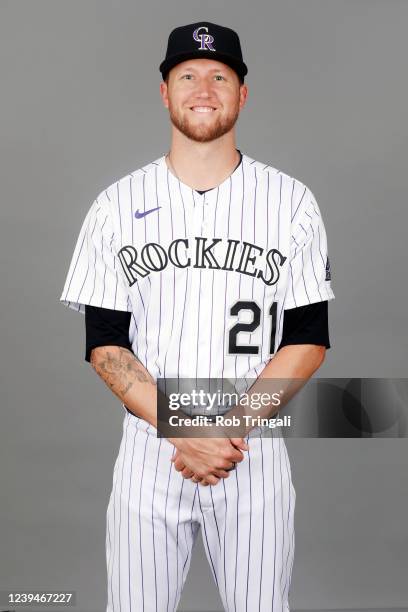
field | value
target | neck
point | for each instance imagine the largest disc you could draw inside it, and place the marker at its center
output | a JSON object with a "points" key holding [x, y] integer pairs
{"points": [[203, 165]]}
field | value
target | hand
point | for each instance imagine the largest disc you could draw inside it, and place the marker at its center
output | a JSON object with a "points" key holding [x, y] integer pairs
{"points": [[215, 462]]}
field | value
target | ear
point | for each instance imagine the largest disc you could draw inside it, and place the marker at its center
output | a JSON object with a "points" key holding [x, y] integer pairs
{"points": [[164, 93], [243, 94]]}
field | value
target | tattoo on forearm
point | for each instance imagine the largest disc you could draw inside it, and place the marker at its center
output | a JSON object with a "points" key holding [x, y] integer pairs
{"points": [[119, 368]]}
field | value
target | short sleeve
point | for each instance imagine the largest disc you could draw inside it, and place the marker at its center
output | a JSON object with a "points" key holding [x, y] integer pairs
{"points": [[309, 275], [94, 276]]}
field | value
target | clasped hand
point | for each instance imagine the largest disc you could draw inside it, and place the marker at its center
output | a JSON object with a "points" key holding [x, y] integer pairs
{"points": [[207, 460]]}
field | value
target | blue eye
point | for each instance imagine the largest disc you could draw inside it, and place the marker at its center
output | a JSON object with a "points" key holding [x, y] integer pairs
{"points": [[217, 76]]}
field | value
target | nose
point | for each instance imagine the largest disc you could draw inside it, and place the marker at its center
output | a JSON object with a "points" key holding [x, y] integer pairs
{"points": [[204, 86], [203, 92]]}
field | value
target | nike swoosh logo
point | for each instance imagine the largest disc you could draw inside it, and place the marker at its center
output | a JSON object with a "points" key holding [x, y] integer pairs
{"points": [[140, 215]]}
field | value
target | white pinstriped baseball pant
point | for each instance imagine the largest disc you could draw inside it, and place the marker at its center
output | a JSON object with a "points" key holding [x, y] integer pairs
{"points": [[154, 515]]}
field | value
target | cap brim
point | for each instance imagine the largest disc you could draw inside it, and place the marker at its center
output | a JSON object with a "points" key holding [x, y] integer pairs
{"points": [[237, 65]]}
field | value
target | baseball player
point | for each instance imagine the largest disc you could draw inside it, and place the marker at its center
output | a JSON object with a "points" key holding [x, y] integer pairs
{"points": [[203, 263]]}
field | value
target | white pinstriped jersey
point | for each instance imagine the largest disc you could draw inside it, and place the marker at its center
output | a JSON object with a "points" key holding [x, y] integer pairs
{"points": [[206, 277]]}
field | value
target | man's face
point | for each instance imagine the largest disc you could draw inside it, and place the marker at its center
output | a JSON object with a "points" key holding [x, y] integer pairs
{"points": [[204, 98]]}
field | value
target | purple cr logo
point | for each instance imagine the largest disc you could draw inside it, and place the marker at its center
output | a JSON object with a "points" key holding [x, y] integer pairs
{"points": [[205, 40]]}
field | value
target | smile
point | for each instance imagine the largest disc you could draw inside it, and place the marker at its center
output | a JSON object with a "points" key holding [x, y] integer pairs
{"points": [[202, 109]]}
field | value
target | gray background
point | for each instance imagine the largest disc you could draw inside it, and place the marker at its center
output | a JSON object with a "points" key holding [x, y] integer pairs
{"points": [[80, 108]]}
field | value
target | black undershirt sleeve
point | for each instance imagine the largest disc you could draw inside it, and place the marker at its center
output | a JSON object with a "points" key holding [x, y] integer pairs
{"points": [[302, 325], [306, 325], [105, 327]]}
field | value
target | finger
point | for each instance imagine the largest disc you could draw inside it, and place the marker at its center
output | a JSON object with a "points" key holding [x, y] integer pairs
{"points": [[179, 465], [175, 456], [211, 479], [239, 443], [187, 473], [222, 472]]}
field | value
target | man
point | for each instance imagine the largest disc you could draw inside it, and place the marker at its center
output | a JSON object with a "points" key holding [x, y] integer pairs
{"points": [[205, 263]]}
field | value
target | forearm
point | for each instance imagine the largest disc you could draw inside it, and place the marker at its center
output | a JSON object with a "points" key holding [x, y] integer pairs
{"points": [[128, 379], [295, 361], [287, 371]]}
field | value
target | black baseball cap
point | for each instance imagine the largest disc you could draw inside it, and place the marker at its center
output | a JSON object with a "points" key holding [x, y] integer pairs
{"points": [[204, 40]]}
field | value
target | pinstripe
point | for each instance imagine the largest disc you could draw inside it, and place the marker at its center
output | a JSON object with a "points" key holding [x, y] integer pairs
{"points": [[137, 334], [145, 232], [250, 522], [252, 290], [291, 199], [263, 522], [116, 293], [215, 517], [242, 217], [300, 201], [140, 524], [87, 269], [114, 540], [313, 268], [287, 579], [212, 286], [278, 328], [290, 267], [224, 544], [167, 546], [119, 214], [206, 538], [130, 486], [122, 460], [267, 246], [185, 562], [132, 214], [236, 545], [274, 520], [177, 546], [225, 296], [283, 498], [160, 277], [94, 282], [174, 273], [113, 501], [114, 267], [187, 278], [303, 276], [199, 301], [291, 279], [110, 556], [120, 226], [104, 272], [303, 264], [154, 545], [192, 510], [318, 231]]}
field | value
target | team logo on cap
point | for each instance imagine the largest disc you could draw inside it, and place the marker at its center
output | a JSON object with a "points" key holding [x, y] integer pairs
{"points": [[205, 40]]}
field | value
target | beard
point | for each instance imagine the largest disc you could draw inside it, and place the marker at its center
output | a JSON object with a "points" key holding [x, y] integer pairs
{"points": [[204, 131]]}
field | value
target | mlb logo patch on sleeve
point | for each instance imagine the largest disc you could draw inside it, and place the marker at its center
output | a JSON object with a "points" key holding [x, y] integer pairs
{"points": [[328, 271]]}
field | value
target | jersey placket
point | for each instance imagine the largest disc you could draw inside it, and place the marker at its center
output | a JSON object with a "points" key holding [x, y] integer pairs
{"points": [[193, 306]]}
